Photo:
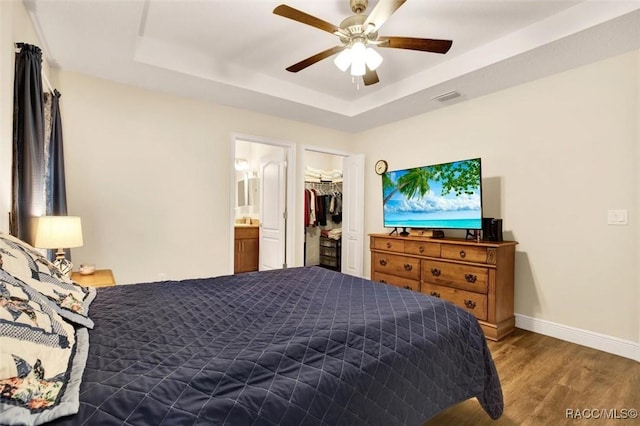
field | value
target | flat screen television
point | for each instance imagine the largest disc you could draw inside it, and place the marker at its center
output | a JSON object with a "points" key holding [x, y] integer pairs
{"points": [[438, 196]]}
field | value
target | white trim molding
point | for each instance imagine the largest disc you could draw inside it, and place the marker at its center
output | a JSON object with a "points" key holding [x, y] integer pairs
{"points": [[602, 342]]}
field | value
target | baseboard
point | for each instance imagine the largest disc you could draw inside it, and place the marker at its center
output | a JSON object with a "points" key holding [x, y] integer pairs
{"points": [[602, 342]]}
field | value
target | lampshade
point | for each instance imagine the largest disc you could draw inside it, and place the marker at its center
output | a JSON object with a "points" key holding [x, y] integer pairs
{"points": [[54, 232]]}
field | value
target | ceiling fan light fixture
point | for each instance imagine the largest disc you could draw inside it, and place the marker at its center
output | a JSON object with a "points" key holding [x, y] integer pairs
{"points": [[372, 58], [358, 67], [358, 58], [358, 50], [357, 32], [343, 60]]}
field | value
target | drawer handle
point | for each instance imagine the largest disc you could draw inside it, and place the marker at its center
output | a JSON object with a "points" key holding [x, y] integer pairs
{"points": [[408, 267], [470, 278], [463, 254], [435, 272], [383, 281], [383, 262], [434, 294], [388, 245], [421, 249], [408, 287], [469, 303]]}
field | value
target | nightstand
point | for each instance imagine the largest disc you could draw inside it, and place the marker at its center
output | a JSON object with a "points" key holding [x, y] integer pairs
{"points": [[100, 278]]}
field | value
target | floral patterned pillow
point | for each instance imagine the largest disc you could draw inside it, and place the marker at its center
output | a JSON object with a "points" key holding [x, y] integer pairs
{"points": [[67, 298], [37, 350]]}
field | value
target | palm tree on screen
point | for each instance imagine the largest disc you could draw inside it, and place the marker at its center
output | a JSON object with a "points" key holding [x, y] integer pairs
{"points": [[459, 177]]}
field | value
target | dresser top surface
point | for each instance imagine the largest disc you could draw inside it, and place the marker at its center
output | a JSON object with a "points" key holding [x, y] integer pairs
{"points": [[446, 240]]}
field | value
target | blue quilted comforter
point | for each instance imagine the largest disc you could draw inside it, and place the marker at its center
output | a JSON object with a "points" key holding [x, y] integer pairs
{"points": [[302, 346]]}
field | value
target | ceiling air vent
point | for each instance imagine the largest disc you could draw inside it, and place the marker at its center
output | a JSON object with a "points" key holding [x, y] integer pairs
{"points": [[446, 96]]}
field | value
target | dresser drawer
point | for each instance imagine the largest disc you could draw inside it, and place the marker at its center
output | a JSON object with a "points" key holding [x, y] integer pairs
{"points": [[462, 276], [402, 266], [471, 302], [388, 244], [407, 283], [422, 248], [468, 253]]}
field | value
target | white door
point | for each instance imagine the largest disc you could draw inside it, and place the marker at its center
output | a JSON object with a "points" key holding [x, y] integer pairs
{"points": [[273, 199], [353, 215]]}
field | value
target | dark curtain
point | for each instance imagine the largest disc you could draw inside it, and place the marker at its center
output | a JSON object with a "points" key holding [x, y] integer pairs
{"points": [[56, 187], [28, 141]]}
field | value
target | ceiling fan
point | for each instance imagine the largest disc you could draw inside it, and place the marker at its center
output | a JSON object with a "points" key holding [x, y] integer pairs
{"points": [[357, 34]]}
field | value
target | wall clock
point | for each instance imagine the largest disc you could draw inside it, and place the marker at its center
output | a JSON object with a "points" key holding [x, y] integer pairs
{"points": [[381, 166]]}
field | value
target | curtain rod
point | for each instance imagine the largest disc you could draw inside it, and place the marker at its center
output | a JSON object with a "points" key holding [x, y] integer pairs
{"points": [[42, 73]]}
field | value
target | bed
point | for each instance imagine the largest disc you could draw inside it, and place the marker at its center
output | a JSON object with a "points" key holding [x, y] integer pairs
{"points": [[301, 346]]}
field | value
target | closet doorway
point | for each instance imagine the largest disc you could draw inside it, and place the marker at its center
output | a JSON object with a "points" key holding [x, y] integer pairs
{"points": [[333, 210]]}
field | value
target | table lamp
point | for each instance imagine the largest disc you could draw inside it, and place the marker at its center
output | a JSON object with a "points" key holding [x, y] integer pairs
{"points": [[59, 232]]}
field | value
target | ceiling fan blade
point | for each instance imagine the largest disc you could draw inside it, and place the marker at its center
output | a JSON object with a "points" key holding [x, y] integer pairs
{"points": [[370, 77], [305, 18], [379, 15], [315, 58], [422, 44]]}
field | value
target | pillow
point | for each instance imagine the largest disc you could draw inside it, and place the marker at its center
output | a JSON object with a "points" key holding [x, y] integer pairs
{"points": [[67, 298], [40, 359]]}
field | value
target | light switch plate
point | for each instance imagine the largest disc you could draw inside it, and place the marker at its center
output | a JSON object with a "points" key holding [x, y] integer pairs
{"points": [[618, 217]]}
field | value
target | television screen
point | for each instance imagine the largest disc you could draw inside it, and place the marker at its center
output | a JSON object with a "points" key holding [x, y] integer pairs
{"points": [[439, 196]]}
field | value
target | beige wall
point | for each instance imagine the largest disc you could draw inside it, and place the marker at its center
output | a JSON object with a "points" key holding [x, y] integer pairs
{"points": [[556, 153], [149, 173]]}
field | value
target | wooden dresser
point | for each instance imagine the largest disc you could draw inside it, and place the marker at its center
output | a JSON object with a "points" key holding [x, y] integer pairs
{"points": [[477, 276]]}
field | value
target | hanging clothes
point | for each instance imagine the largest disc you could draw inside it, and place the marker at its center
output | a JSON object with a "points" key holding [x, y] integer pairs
{"points": [[322, 203], [321, 210], [306, 207], [337, 208]]}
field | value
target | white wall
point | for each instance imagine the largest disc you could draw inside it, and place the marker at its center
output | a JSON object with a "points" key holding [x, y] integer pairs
{"points": [[556, 153], [15, 27], [323, 161], [149, 175]]}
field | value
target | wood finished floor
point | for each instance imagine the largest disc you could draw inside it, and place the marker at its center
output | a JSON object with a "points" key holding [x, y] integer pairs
{"points": [[542, 377]]}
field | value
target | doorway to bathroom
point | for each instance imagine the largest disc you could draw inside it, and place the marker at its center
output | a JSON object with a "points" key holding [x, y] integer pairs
{"points": [[261, 180]]}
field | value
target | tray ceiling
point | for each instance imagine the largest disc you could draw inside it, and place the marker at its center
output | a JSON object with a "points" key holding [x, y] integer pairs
{"points": [[234, 52]]}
